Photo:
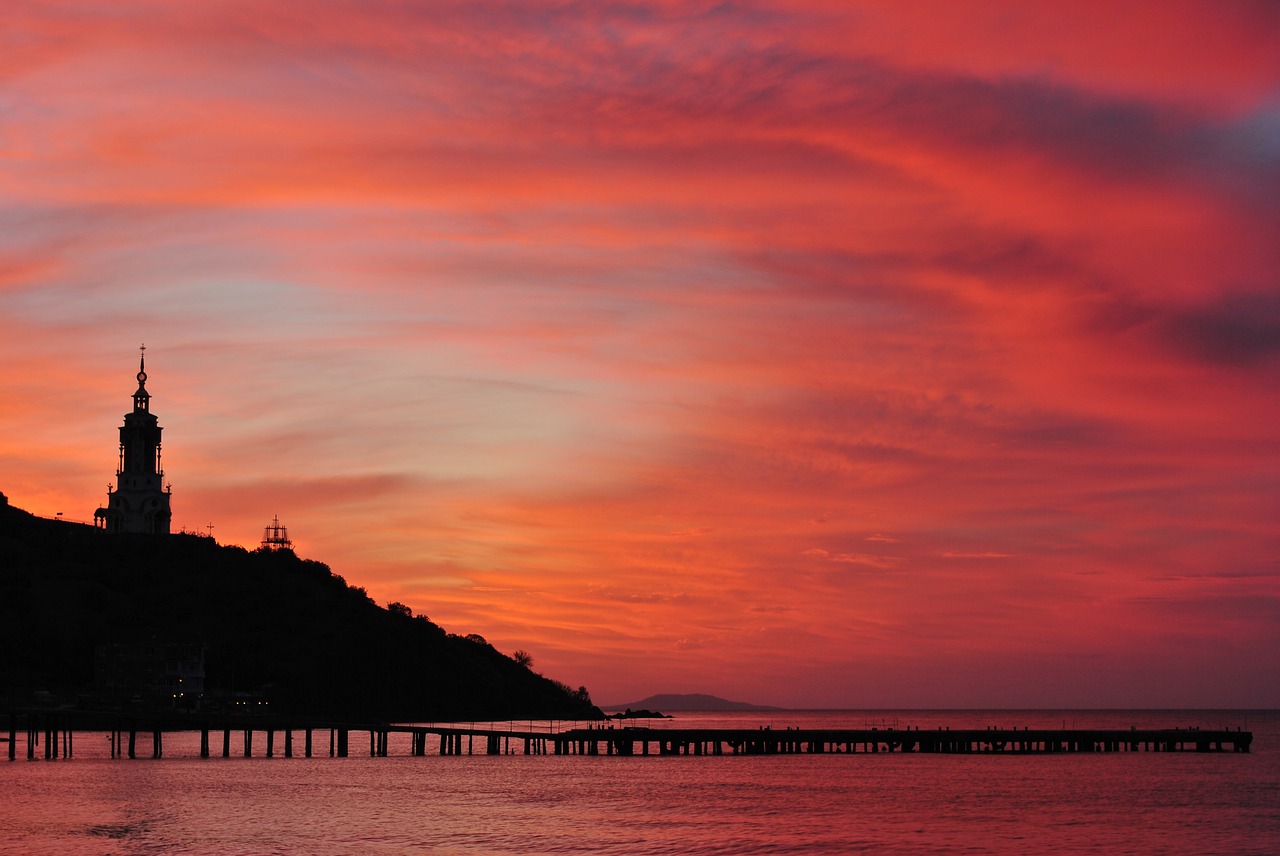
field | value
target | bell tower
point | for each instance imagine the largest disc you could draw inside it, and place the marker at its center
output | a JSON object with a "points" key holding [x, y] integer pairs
{"points": [[140, 501]]}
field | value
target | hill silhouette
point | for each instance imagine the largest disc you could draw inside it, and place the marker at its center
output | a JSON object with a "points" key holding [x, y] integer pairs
{"points": [[271, 624], [689, 702]]}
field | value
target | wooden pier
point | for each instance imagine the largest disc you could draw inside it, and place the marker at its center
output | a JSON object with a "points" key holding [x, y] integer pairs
{"points": [[49, 735], [1009, 741]]}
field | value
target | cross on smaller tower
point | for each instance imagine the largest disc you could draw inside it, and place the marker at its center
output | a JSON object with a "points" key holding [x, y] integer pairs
{"points": [[210, 528]]}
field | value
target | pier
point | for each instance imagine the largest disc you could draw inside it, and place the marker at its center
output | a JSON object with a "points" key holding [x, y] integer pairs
{"points": [[1007, 741], [50, 735]]}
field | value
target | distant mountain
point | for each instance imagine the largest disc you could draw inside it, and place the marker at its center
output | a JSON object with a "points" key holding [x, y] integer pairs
{"points": [[270, 624], [667, 702]]}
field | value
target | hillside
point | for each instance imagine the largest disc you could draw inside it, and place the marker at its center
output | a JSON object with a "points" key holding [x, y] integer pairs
{"points": [[271, 624], [689, 702]]}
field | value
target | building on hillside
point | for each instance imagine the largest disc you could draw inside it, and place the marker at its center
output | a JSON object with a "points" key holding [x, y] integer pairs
{"points": [[276, 536], [163, 674], [140, 500]]}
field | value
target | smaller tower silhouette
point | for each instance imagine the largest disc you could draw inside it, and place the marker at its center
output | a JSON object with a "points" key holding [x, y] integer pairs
{"points": [[276, 536]]}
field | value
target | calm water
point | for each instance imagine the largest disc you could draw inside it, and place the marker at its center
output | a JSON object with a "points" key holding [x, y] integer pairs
{"points": [[1139, 803]]}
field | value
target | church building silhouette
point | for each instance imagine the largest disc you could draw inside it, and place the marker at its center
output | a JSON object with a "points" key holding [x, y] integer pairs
{"points": [[140, 500]]}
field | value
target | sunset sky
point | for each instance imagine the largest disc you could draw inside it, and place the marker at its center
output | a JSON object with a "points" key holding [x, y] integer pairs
{"points": [[825, 354]]}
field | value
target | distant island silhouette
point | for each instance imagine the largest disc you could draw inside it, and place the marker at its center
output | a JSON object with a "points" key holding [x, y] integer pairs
{"points": [[146, 622], [639, 713], [686, 702]]}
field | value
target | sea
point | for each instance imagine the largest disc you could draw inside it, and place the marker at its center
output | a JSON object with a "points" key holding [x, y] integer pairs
{"points": [[480, 805]]}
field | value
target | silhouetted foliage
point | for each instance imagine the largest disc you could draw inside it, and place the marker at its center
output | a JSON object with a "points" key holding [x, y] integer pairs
{"points": [[270, 622], [523, 658], [579, 694]]}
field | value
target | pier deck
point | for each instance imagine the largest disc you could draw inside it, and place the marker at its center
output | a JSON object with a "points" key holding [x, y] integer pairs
{"points": [[670, 741], [50, 735]]}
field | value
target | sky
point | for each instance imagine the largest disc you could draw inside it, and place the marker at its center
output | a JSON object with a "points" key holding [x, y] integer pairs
{"points": [[872, 353]]}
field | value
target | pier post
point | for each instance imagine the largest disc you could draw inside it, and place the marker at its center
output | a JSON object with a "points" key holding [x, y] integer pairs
{"points": [[226, 743], [271, 743], [204, 741], [248, 743], [288, 742], [133, 740], [157, 746], [13, 736], [308, 747]]}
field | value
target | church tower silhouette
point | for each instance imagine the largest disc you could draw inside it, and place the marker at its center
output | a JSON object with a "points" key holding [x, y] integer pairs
{"points": [[140, 501]]}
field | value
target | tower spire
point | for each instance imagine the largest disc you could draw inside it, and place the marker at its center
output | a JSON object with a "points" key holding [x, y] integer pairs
{"points": [[142, 398]]}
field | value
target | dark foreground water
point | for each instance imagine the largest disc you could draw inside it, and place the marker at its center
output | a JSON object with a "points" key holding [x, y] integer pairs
{"points": [[1137, 803]]}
